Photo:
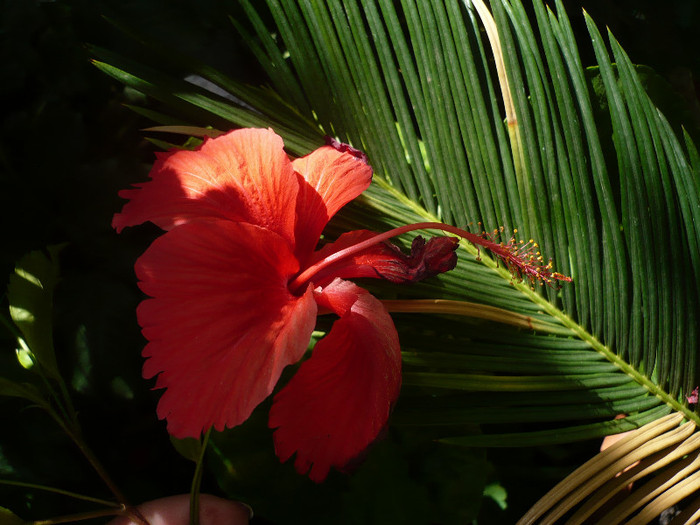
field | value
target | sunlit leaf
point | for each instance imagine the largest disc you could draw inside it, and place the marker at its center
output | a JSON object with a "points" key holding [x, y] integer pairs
{"points": [[30, 294], [498, 494]]}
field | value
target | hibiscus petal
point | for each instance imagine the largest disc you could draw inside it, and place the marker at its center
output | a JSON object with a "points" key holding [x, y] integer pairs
{"points": [[221, 323], [328, 179], [340, 399], [385, 260], [244, 175]]}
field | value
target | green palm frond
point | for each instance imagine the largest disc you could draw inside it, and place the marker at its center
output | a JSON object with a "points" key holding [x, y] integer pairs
{"points": [[475, 116]]}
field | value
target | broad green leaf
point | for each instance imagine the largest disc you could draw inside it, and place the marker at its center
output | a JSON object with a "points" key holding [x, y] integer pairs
{"points": [[22, 390], [7, 517], [30, 294], [188, 448]]}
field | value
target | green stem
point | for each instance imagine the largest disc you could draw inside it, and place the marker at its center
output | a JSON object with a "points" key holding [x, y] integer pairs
{"points": [[67, 420], [62, 492], [129, 512], [39, 369], [75, 435], [197, 481], [625, 367], [63, 417], [72, 518], [92, 459], [68, 408]]}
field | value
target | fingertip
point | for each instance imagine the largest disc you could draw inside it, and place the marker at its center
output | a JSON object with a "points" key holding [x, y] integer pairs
{"points": [[215, 511]]}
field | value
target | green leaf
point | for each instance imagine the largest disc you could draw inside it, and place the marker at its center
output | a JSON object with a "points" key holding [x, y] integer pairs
{"points": [[30, 294], [188, 448], [22, 390], [498, 494], [7, 517], [383, 491], [196, 103], [409, 480]]}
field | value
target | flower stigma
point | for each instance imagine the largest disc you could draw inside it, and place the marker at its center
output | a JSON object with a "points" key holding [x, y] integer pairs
{"points": [[521, 258]]}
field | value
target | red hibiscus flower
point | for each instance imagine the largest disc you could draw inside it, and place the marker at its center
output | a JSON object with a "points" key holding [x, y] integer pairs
{"points": [[235, 287]]}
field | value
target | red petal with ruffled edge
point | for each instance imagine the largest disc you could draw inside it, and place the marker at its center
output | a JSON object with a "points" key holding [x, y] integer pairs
{"points": [[222, 324], [385, 260], [340, 399], [329, 179], [244, 175]]}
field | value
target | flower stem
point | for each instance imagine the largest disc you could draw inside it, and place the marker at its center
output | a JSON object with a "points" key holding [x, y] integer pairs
{"points": [[62, 492], [78, 517], [96, 465], [581, 333], [197, 482], [130, 512]]}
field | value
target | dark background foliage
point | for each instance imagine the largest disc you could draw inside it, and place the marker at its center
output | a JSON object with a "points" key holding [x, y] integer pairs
{"points": [[68, 145]]}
